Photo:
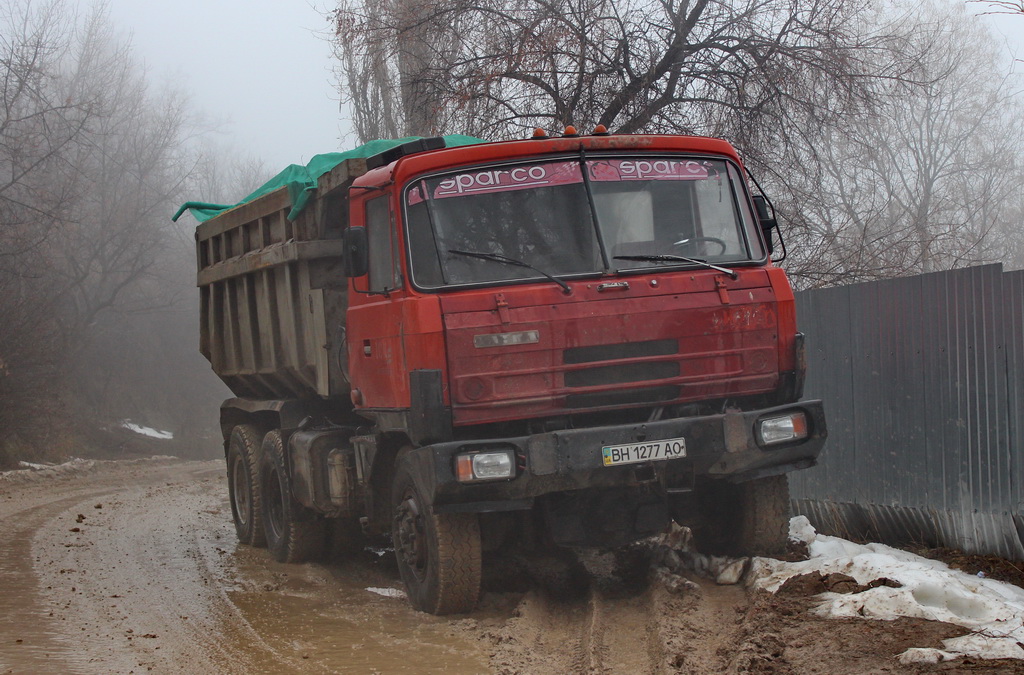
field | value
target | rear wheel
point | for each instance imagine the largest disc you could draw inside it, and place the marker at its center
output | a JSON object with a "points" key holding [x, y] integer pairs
{"points": [[438, 553], [749, 518], [243, 461], [294, 533]]}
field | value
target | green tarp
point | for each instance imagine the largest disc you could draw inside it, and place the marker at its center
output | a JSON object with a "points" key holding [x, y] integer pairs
{"points": [[301, 180]]}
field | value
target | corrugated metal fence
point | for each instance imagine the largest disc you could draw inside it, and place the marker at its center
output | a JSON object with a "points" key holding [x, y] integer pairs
{"points": [[923, 383]]}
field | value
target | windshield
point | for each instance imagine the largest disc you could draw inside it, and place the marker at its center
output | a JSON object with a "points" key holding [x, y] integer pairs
{"points": [[556, 221]]}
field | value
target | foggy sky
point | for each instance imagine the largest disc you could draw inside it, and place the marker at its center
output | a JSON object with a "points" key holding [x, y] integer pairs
{"points": [[259, 67]]}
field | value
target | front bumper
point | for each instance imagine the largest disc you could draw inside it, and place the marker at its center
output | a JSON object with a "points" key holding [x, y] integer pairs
{"points": [[718, 446]]}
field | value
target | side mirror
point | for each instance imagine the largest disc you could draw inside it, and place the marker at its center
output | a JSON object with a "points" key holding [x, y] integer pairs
{"points": [[356, 252], [766, 220]]}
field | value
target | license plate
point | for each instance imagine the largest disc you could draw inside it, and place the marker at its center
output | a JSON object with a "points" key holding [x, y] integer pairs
{"points": [[649, 451]]}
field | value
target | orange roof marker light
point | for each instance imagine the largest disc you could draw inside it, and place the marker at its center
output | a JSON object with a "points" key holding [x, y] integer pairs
{"points": [[570, 131], [539, 133], [600, 130]]}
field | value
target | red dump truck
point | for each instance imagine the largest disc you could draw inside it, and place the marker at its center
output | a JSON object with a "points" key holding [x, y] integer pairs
{"points": [[559, 341]]}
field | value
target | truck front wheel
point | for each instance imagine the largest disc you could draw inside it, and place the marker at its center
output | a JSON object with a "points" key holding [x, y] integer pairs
{"points": [[294, 533], [438, 553], [243, 461]]}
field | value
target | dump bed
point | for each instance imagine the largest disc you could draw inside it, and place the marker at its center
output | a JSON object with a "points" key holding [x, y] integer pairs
{"points": [[273, 292]]}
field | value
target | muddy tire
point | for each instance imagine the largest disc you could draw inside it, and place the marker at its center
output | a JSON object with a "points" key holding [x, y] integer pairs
{"points": [[294, 533], [764, 521], [438, 554], [749, 518], [243, 460]]}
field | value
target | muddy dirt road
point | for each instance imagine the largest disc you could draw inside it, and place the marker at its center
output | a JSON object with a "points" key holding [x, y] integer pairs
{"points": [[132, 567]]}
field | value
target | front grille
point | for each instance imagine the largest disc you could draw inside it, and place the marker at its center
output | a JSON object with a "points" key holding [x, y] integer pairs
{"points": [[625, 350], [620, 373], [622, 397]]}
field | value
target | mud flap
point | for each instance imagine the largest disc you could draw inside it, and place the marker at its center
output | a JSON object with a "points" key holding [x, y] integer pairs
{"points": [[429, 421]]}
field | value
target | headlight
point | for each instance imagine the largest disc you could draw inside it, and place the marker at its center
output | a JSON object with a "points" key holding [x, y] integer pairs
{"points": [[488, 465], [783, 429]]}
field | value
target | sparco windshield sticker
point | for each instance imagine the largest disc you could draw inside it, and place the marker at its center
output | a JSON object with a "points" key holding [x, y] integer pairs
{"points": [[551, 174], [614, 170], [519, 177]]}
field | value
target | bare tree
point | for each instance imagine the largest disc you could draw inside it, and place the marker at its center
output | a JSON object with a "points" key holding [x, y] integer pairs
{"points": [[93, 275], [222, 174], [929, 180], [501, 67], [128, 174], [1001, 6], [370, 74], [38, 131]]}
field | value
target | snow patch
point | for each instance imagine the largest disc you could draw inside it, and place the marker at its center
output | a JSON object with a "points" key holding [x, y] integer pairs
{"points": [[925, 655], [34, 472], [930, 590], [387, 592], [147, 431], [38, 472], [801, 529], [34, 466]]}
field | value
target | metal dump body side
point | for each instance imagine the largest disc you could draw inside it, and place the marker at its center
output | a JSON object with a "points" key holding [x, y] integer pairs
{"points": [[273, 292]]}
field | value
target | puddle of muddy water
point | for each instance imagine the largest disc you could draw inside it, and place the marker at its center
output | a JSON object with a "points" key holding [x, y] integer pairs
{"points": [[32, 641], [326, 616], [29, 643]]}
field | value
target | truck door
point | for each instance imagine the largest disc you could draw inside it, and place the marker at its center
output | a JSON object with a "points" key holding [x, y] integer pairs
{"points": [[374, 324]]}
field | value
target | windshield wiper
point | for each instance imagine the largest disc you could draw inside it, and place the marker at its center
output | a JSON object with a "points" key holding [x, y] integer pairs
{"points": [[511, 261], [678, 258]]}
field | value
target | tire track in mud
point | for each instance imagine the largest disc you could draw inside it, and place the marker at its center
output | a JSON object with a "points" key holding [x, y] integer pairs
{"points": [[33, 637], [703, 630], [644, 630], [620, 636], [609, 631], [137, 582], [137, 569], [37, 645]]}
